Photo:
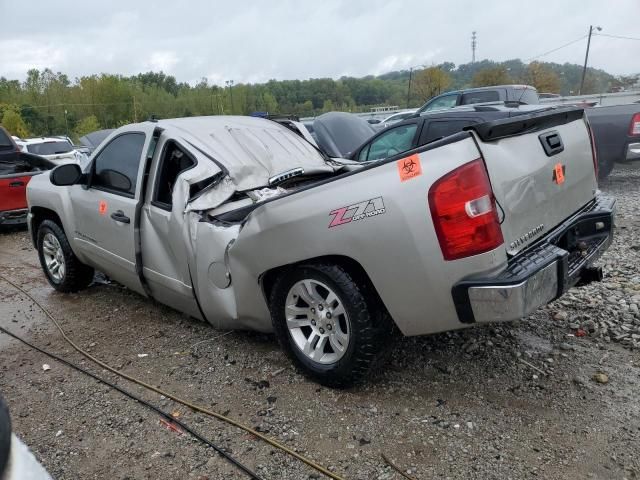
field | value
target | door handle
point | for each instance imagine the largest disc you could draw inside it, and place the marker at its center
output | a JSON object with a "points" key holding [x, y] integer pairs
{"points": [[17, 184], [119, 216]]}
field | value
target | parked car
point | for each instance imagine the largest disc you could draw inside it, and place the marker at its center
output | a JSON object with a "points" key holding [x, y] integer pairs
{"points": [[91, 140], [338, 133], [431, 126], [16, 461], [57, 150], [396, 117], [499, 93], [16, 169], [243, 223], [616, 130]]}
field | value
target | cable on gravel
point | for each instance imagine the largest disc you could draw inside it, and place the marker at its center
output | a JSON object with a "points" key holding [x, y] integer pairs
{"points": [[274, 443]]}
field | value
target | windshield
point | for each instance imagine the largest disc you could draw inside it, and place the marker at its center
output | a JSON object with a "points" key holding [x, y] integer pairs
{"points": [[50, 148]]}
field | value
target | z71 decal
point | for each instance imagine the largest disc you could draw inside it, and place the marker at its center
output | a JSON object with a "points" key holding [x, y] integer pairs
{"points": [[357, 211]]}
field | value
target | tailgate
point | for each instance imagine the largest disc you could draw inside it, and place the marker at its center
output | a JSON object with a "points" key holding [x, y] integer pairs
{"points": [[541, 170]]}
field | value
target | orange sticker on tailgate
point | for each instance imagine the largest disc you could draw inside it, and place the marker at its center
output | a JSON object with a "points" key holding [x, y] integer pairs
{"points": [[559, 173], [409, 167]]}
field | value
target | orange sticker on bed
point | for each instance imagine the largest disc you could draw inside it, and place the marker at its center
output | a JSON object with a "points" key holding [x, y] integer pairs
{"points": [[409, 167]]}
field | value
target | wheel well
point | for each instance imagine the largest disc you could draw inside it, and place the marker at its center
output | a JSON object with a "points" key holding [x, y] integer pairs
{"points": [[354, 268], [39, 215]]}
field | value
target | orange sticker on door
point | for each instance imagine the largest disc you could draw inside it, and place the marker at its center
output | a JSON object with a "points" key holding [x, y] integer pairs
{"points": [[558, 173], [102, 207], [409, 167]]}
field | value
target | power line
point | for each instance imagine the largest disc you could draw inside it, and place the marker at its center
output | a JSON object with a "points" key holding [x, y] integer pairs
{"points": [[557, 48], [617, 36]]}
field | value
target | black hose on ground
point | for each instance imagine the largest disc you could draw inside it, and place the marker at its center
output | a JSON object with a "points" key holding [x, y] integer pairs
{"points": [[150, 406]]}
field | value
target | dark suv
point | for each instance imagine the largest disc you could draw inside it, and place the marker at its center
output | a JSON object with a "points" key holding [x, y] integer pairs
{"points": [[429, 127], [499, 93]]}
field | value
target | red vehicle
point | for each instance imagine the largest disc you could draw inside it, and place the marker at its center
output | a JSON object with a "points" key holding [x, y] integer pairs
{"points": [[16, 169]]}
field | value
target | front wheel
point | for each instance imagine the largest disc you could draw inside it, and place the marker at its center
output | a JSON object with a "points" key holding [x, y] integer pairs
{"points": [[62, 268], [332, 328]]}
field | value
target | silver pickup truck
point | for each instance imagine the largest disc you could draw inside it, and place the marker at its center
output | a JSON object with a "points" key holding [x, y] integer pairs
{"points": [[240, 222]]}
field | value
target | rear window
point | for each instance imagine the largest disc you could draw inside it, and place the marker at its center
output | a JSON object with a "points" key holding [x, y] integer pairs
{"points": [[50, 148], [528, 96], [480, 97], [444, 128]]}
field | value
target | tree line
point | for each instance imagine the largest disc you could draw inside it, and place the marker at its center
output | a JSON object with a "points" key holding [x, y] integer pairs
{"points": [[49, 103]]}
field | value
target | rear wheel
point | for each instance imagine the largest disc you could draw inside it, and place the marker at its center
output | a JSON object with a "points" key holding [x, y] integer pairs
{"points": [[62, 268], [332, 328]]}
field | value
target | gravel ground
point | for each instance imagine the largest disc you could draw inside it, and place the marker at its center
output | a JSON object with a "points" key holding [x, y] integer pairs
{"points": [[554, 396]]}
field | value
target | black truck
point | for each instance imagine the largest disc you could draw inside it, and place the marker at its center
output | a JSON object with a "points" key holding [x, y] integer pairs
{"points": [[616, 130]]}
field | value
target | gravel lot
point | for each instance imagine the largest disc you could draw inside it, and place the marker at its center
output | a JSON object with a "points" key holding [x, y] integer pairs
{"points": [[554, 396]]}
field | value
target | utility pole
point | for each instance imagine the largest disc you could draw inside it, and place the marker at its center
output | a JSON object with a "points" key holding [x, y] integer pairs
{"points": [[135, 110], [409, 89], [474, 43], [586, 58], [230, 85]]}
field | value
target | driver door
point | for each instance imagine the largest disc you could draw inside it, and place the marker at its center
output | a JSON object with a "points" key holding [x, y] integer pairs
{"points": [[105, 209]]}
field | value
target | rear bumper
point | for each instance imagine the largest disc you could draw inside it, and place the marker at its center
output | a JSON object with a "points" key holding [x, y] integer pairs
{"points": [[544, 271], [13, 217], [633, 152]]}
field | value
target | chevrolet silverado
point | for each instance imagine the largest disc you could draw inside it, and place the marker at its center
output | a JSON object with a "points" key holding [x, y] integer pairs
{"points": [[240, 222]]}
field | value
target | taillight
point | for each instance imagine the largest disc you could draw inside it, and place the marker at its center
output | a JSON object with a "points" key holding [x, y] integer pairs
{"points": [[464, 214], [634, 127]]}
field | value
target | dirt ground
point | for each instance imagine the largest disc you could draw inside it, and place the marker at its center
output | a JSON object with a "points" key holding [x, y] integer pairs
{"points": [[496, 402]]}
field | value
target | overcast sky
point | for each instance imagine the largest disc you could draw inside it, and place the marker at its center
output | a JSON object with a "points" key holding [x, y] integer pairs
{"points": [[255, 40]]}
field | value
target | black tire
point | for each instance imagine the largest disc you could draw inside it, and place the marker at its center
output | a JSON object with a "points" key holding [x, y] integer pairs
{"points": [[77, 275], [370, 325]]}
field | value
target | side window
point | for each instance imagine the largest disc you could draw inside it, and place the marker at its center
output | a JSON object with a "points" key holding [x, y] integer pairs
{"points": [[116, 166], [444, 128], [393, 141], [480, 97], [446, 101], [173, 162]]}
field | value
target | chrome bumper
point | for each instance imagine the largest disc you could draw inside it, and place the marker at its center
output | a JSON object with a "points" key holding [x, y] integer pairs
{"points": [[633, 152], [510, 302], [543, 272]]}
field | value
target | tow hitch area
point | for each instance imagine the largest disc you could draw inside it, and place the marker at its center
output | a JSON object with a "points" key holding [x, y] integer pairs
{"points": [[590, 274], [544, 271]]}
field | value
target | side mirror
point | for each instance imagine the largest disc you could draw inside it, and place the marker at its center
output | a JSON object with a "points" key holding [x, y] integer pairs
{"points": [[65, 175]]}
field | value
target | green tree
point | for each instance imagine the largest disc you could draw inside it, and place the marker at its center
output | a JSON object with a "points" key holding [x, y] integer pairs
{"points": [[542, 77], [491, 76], [87, 125], [327, 106], [430, 82], [13, 122]]}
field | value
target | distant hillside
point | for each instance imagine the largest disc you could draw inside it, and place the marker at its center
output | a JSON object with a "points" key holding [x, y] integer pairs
{"points": [[48, 103], [569, 74]]}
